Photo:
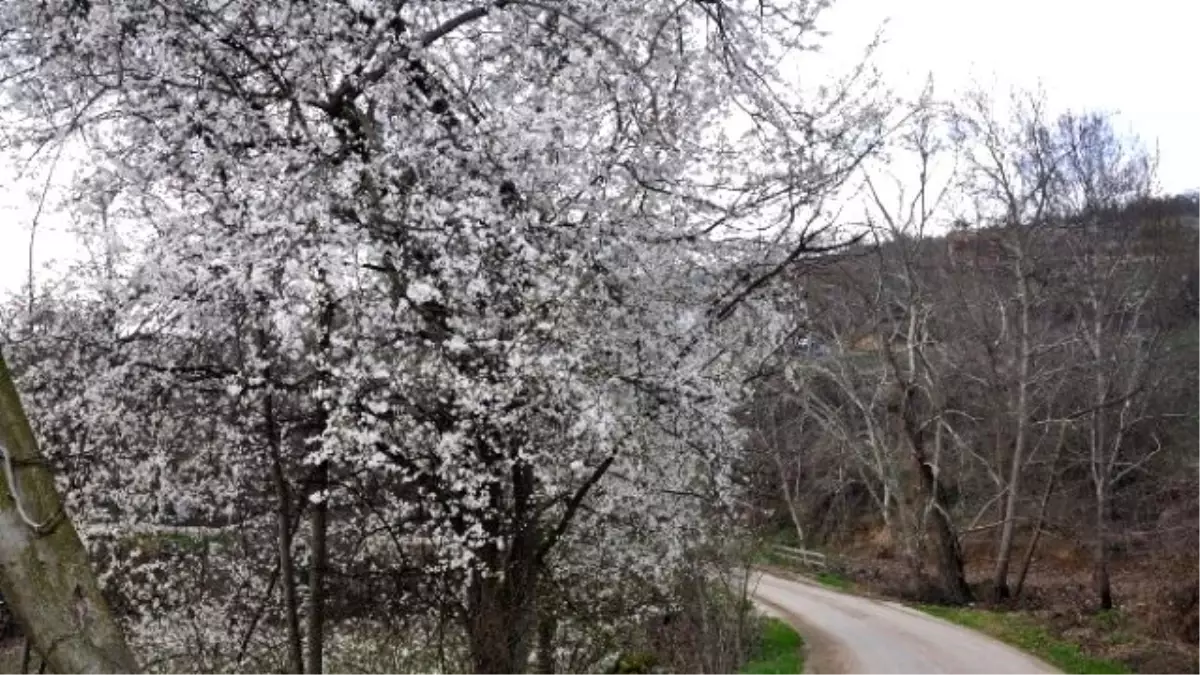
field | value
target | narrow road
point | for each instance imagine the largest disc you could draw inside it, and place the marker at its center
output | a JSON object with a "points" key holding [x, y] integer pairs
{"points": [[851, 634]]}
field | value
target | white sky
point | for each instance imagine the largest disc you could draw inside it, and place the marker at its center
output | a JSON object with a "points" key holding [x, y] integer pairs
{"points": [[1137, 59]]}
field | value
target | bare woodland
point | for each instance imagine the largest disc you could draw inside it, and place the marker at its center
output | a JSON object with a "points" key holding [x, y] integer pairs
{"points": [[1022, 378]]}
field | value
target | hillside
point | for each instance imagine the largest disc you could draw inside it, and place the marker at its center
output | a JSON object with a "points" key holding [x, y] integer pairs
{"points": [[941, 375]]}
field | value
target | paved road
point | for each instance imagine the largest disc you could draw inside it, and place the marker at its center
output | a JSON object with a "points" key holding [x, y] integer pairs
{"points": [[851, 634]]}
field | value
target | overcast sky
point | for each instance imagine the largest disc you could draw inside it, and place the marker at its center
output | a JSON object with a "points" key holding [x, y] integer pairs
{"points": [[1133, 58], [1137, 59]]}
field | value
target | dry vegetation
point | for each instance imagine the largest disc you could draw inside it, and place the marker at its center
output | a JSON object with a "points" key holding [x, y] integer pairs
{"points": [[1005, 416]]}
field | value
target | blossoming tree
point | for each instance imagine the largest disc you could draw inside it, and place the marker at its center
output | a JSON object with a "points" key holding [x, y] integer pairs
{"points": [[477, 277]]}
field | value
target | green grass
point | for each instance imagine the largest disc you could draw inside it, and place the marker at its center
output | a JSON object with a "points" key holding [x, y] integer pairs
{"points": [[1022, 632], [834, 581], [778, 650], [1114, 625]]}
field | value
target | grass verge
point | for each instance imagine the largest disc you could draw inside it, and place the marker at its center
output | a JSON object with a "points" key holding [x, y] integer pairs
{"points": [[834, 580], [778, 650], [1024, 633]]}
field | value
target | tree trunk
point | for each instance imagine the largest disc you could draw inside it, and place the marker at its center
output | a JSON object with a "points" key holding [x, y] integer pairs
{"points": [[1100, 576], [316, 573], [1000, 589], [283, 517], [547, 627], [909, 539], [502, 608], [1027, 560], [500, 623], [949, 552], [929, 486], [789, 496], [1038, 524], [1012, 498], [319, 513], [45, 575]]}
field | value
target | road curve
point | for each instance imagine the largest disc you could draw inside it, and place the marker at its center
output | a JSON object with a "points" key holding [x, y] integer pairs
{"points": [[851, 634]]}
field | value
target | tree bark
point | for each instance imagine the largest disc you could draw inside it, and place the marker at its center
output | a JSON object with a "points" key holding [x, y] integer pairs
{"points": [[1000, 589], [1100, 556], [1100, 468], [1040, 522], [500, 621], [283, 517], [319, 513], [502, 608], [1035, 538], [949, 552], [45, 575], [318, 524], [547, 627], [789, 496]]}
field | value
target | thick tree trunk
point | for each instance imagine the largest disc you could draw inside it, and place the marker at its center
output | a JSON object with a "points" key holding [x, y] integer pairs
{"points": [[318, 523], [45, 575], [949, 552], [908, 537], [500, 625], [502, 609], [283, 517], [952, 578]]}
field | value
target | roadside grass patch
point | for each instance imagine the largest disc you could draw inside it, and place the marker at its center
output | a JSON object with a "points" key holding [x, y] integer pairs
{"points": [[1115, 626], [834, 581], [778, 650], [1022, 632]]}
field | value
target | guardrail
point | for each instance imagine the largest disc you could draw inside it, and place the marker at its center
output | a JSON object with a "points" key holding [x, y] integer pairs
{"points": [[801, 556]]}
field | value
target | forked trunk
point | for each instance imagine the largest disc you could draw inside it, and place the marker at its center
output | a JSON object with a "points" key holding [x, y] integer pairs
{"points": [[952, 579]]}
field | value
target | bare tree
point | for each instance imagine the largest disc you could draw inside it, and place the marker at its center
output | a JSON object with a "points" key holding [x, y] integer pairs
{"points": [[883, 392], [1111, 294], [1012, 169]]}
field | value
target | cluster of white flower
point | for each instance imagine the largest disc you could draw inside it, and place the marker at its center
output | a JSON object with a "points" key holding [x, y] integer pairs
{"points": [[459, 255]]}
